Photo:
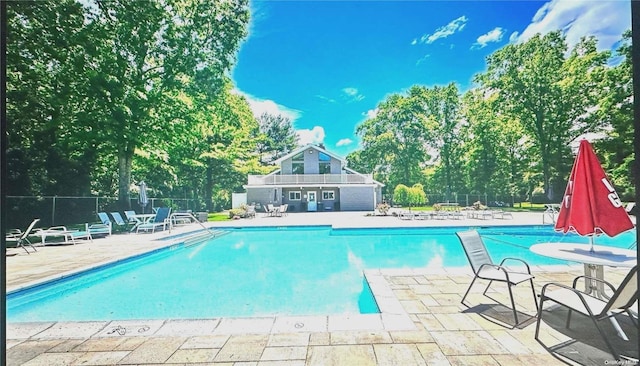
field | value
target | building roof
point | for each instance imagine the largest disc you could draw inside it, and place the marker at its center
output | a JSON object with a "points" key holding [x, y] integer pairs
{"points": [[305, 148]]}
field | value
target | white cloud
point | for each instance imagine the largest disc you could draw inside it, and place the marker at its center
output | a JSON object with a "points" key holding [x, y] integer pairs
{"points": [[445, 31], [494, 35], [606, 20], [344, 142], [312, 136], [423, 59], [352, 94], [513, 37], [259, 106], [327, 99], [371, 113]]}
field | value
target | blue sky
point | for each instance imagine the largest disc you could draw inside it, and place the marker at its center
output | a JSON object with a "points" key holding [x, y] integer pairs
{"points": [[327, 64]]}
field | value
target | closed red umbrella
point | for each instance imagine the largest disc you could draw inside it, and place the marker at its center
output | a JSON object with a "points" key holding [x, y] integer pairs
{"points": [[591, 205]]}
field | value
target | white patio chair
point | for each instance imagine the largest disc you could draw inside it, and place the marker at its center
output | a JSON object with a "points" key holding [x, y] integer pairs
{"points": [[484, 268]]}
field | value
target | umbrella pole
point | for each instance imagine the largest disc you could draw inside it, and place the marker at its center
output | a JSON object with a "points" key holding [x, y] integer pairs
{"points": [[591, 242]]}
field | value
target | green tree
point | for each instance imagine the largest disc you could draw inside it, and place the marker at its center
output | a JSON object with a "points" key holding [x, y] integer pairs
{"points": [[401, 195], [551, 93], [145, 54], [616, 112], [45, 81], [417, 197], [396, 141], [442, 105], [277, 137]]}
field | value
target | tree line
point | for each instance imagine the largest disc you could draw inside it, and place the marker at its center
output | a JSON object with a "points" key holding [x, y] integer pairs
{"points": [[511, 133], [104, 94]]}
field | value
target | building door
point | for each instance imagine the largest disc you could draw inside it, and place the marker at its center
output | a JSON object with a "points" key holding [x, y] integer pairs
{"points": [[312, 202]]}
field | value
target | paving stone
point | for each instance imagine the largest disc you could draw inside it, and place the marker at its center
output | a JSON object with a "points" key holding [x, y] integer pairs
{"points": [[26, 330], [457, 321], [423, 289], [432, 354], [131, 328], [101, 358], [430, 322], [288, 339], [50, 359], [361, 355], [428, 301], [67, 346], [188, 327], [482, 360], [210, 341], [99, 344], [243, 348], [547, 360], [447, 299], [355, 322], [467, 343], [397, 322], [390, 305], [195, 355], [403, 280], [305, 324], [72, 330], [350, 337], [130, 343], [508, 341], [414, 306], [28, 350], [320, 339], [284, 353], [398, 354], [405, 294], [417, 336], [154, 350], [280, 363], [244, 326]]}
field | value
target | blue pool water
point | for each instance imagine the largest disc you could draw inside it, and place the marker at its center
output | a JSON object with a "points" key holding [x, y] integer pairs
{"points": [[266, 272]]}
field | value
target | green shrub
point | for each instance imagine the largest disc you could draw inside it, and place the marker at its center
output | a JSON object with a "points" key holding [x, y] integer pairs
{"points": [[240, 212], [401, 195]]}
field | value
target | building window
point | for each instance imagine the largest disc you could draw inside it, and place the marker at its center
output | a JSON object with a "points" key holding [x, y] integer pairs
{"points": [[297, 168], [297, 164], [294, 195], [325, 168], [324, 162], [328, 195]]}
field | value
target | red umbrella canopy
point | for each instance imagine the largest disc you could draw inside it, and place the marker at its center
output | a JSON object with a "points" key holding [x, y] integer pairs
{"points": [[591, 205]]}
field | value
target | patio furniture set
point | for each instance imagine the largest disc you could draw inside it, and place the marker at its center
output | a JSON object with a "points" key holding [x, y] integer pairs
{"points": [[452, 211], [592, 302], [61, 235]]}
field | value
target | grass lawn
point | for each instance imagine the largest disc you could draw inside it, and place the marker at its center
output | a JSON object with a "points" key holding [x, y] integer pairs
{"points": [[218, 216]]}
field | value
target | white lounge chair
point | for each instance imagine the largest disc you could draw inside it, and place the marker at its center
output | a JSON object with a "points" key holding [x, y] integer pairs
{"points": [[21, 239]]}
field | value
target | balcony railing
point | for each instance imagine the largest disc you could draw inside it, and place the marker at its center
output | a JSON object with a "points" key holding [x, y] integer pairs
{"points": [[261, 180]]}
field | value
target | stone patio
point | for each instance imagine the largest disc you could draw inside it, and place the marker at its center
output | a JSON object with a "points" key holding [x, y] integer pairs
{"points": [[421, 322]]}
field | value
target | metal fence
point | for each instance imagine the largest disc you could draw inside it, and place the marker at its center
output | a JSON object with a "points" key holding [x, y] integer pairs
{"points": [[491, 200], [67, 210]]}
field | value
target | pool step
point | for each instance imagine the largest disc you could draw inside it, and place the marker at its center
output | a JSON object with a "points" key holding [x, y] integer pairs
{"points": [[201, 236]]}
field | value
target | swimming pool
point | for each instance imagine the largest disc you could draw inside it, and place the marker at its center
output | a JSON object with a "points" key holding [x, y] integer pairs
{"points": [[266, 272]]}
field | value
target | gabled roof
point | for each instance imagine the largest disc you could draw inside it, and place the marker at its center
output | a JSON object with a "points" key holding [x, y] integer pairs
{"points": [[305, 148]]}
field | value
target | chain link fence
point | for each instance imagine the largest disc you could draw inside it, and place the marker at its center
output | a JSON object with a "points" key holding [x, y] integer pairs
{"points": [[67, 210]]}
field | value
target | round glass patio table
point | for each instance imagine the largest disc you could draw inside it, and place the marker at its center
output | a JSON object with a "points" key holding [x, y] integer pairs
{"points": [[601, 255]]}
